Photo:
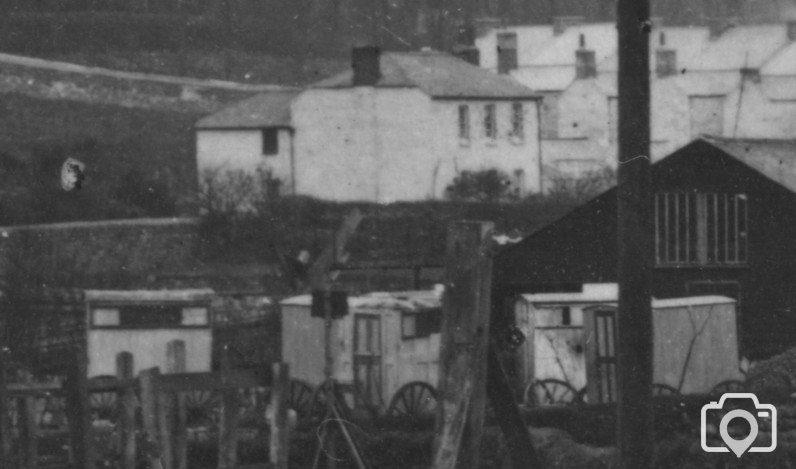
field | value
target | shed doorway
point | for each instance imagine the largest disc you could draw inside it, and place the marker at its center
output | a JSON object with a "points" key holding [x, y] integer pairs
{"points": [[367, 358]]}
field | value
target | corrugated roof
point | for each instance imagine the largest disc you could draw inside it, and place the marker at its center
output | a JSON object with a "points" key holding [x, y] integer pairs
{"points": [[775, 159], [437, 74], [270, 109], [740, 46]]}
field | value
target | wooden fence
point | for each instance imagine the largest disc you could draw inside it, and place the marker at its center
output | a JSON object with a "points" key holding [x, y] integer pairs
{"points": [[154, 416]]}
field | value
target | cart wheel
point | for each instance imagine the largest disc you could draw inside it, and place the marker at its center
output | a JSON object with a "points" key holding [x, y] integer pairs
{"points": [[413, 399], [319, 399], [659, 389], [201, 408], [103, 403], [583, 396], [730, 385], [550, 391], [300, 398]]}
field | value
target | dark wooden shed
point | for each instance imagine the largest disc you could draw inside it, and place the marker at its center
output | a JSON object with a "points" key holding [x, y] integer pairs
{"points": [[724, 223]]}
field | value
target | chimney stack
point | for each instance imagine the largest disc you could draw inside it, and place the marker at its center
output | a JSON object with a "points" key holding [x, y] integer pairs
{"points": [[791, 27], [750, 74], [365, 62], [717, 26], [585, 64], [665, 62], [561, 23], [507, 52]]}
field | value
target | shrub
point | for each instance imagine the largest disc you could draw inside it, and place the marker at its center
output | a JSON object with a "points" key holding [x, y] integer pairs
{"points": [[488, 185]]}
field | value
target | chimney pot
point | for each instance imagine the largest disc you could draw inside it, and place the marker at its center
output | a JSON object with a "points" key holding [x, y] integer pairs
{"points": [[717, 26], [561, 23], [366, 64]]}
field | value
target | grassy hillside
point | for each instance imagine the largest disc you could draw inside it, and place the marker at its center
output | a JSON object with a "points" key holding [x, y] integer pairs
{"points": [[138, 161]]}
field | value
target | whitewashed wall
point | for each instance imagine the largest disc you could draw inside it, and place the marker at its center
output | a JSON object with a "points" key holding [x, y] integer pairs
{"points": [[148, 348], [223, 150], [386, 145]]}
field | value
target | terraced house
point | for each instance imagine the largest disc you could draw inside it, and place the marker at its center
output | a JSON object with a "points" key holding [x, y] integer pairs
{"points": [[396, 126]]}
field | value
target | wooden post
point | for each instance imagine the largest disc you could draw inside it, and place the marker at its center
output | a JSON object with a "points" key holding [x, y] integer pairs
{"points": [[149, 409], [5, 423], [228, 426], [463, 345], [518, 438], [181, 433], [634, 206], [79, 413], [127, 404], [280, 436], [27, 421], [165, 403]]}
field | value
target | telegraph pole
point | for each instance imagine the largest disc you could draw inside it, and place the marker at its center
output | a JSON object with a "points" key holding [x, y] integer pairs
{"points": [[634, 207]]}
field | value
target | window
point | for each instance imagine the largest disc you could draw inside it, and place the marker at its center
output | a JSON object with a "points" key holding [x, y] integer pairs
{"points": [[566, 316], [701, 228], [106, 317], [270, 141], [464, 122], [517, 121], [421, 324], [490, 122]]}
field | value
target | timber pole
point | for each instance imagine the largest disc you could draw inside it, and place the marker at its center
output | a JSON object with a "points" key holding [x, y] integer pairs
{"points": [[634, 233]]}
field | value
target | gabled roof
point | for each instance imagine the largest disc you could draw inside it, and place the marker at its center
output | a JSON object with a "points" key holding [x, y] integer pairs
{"points": [[775, 159], [438, 75], [269, 109]]}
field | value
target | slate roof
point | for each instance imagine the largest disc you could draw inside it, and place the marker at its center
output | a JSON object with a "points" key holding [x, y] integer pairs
{"points": [[269, 109], [439, 75], [775, 159], [741, 46]]}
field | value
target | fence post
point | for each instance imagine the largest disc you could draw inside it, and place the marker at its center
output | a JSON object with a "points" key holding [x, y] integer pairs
{"points": [[149, 405], [463, 345], [280, 436], [228, 426], [165, 403], [180, 433], [27, 422], [78, 412], [127, 424]]}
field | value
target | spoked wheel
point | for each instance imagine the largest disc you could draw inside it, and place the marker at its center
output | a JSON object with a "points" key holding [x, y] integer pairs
{"points": [[201, 408], [413, 399], [319, 399], [659, 389], [103, 403], [301, 395], [254, 402], [730, 385], [550, 391]]}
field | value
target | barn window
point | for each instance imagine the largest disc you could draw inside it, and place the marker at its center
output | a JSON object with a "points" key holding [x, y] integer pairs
{"points": [[421, 324], [517, 121], [194, 317], [464, 123], [106, 317], [701, 228], [490, 121], [270, 141]]}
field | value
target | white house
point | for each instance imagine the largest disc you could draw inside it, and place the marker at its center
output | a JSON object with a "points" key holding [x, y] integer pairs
{"points": [[397, 126]]}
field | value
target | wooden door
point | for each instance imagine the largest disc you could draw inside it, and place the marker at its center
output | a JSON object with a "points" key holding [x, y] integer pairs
{"points": [[367, 358], [605, 354]]}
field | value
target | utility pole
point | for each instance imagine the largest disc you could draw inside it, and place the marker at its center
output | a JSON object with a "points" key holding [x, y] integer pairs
{"points": [[634, 204]]}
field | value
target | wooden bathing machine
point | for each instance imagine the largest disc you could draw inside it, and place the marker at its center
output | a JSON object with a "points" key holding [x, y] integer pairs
{"points": [[569, 337], [385, 341], [133, 330]]}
